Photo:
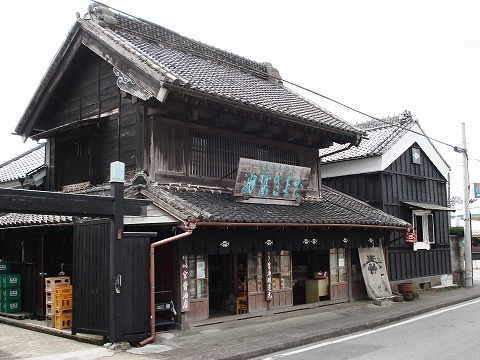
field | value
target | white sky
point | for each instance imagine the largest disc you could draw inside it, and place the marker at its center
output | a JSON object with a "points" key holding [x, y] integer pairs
{"points": [[379, 57]]}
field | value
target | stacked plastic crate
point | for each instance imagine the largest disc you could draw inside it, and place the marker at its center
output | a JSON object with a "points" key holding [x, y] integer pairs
{"points": [[10, 289], [63, 307], [51, 285]]}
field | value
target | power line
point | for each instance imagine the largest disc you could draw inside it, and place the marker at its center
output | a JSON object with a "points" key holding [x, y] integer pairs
{"points": [[262, 74], [365, 114]]}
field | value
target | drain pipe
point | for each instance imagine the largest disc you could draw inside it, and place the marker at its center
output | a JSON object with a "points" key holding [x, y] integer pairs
{"points": [[188, 231]]}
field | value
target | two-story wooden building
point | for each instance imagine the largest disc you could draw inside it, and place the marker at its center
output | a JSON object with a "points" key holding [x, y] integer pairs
{"points": [[218, 144], [397, 169]]}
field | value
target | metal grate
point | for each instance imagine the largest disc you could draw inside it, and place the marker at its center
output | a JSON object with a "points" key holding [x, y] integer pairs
{"points": [[217, 156]]}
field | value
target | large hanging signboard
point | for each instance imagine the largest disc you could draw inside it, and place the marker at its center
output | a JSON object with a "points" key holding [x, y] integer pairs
{"points": [[270, 183]]}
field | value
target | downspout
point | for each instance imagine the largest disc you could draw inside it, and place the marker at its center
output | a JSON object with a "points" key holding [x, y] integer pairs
{"points": [[188, 231]]}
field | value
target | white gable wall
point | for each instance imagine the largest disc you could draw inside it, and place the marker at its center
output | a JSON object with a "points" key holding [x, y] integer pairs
{"points": [[380, 163]]}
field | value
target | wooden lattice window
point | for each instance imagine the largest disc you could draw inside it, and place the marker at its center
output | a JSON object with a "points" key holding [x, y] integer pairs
{"points": [[217, 156], [73, 161]]}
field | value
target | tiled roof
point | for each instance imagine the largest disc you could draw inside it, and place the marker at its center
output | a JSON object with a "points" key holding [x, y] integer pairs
{"points": [[380, 135], [15, 220], [209, 70], [22, 164], [217, 205]]}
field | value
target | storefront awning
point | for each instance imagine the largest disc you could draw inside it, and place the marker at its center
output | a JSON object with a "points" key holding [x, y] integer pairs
{"points": [[427, 206]]}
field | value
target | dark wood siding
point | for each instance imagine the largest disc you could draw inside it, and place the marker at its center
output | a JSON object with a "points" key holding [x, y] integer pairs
{"points": [[199, 155], [405, 181], [405, 264], [89, 89]]}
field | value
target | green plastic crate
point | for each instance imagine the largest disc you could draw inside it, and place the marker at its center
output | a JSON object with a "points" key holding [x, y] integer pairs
{"points": [[7, 294], [11, 280], [4, 266], [11, 307]]}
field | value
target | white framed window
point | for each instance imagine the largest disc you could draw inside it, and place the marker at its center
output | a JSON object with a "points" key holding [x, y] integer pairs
{"points": [[424, 228]]}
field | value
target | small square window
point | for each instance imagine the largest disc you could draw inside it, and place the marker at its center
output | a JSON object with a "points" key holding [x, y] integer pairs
{"points": [[416, 156]]}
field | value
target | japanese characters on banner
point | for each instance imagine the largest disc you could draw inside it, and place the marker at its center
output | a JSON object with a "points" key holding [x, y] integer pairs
{"points": [[269, 182], [268, 276], [184, 292], [374, 272]]}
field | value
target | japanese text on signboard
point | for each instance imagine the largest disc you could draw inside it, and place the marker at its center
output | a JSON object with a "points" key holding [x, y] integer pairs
{"points": [[270, 180], [184, 281], [268, 276]]}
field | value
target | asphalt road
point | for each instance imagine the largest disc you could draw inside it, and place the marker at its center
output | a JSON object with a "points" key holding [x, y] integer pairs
{"points": [[449, 333]]}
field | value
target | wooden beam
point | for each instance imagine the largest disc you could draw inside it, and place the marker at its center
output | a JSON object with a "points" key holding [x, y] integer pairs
{"points": [[57, 203]]}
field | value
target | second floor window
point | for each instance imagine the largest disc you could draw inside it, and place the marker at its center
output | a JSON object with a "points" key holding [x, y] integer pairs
{"points": [[216, 156], [424, 228], [72, 161]]}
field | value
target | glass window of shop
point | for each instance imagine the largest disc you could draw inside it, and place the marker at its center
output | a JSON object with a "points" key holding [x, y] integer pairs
{"points": [[338, 266], [197, 276], [281, 270], [255, 272]]}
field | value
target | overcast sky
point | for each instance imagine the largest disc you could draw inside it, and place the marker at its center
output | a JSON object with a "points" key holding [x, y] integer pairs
{"points": [[379, 57]]}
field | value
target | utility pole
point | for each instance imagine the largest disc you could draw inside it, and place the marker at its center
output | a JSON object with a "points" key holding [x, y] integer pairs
{"points": [[466, 213]]}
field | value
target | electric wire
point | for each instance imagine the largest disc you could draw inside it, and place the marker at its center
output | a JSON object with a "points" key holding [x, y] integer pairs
{"points": [[263, 74]]}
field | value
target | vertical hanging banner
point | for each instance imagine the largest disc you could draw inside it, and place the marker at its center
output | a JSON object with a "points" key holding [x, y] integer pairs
{"points": [[268, 277], [184, 281], [270, 183], [374, 272]]}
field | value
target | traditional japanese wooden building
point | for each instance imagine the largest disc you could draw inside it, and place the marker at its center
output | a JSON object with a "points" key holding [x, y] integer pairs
{"points": [[226, 153], [397, 169]]}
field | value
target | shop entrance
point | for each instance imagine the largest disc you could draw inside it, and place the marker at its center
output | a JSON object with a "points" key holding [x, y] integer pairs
{"points": [[226, 277], [319, 275], [308, 266]]}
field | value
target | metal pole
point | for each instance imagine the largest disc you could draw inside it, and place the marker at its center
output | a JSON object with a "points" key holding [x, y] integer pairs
{"points": [[466, 215], [117, 178]]}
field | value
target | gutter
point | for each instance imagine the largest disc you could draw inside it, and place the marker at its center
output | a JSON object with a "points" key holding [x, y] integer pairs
{"points": [[189, 227], [365, 226]]}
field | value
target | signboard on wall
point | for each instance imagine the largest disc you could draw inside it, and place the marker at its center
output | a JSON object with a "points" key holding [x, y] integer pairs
{"points": [[184, 281], [476, 190], [270, 183], [268, 277]]}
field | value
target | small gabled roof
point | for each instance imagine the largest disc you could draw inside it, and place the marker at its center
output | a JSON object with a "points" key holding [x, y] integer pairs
{"points": [[157, 58], [22, 165], [385, 139]]}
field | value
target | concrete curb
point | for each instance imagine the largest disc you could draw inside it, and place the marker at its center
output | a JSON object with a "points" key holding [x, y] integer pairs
{"points": [[345, 331], [52, 331]]}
